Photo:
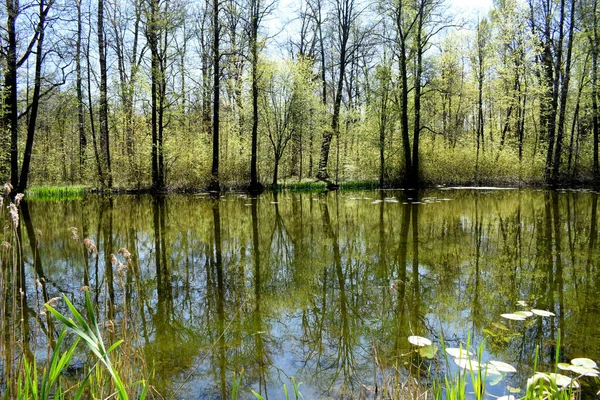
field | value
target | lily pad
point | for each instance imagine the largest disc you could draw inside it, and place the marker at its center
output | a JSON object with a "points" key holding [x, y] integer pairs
{"points": [[524, 313], [419, 341], [563, 381], [514, 317], [503, 367], [458, 352], [579, 370], [542, 313], [564, 366], [466, 363], [584, 362], [521, 303], [428, 351], [538, 376]]}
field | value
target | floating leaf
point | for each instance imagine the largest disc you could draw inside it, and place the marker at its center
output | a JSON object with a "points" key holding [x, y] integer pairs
{"points": [[521, 303], [419, 341], [579, 370], [524, 313], [503, 367], [537, 377], [542, 313], [563, 381], [495, 378], [513, 389], [458, 352], [428, 351], [514, 317], [584, 362], [564, 366], [466, 363]]}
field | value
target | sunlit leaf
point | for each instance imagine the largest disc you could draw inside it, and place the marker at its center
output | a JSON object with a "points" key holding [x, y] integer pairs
{"points": [[524, 313], [564, 366], [428, 351], [579, 370], [514, 317], [458, 352], [563, 381], [542, 313], [584, 362], [503, 367], [521, 303], [466, 363], [419, 341], [537, 377]]}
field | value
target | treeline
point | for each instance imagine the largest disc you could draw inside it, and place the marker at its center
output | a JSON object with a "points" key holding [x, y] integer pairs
{"points": [[203, 93]]}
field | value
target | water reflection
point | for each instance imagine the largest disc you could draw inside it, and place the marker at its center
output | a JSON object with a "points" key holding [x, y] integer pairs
{"points": [[317, 286]]}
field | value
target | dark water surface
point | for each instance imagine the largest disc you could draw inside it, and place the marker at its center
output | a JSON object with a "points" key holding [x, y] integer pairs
{"points": [[308, 285]]}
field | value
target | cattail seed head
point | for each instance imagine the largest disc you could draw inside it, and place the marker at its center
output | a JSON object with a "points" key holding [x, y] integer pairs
{"points": [[14, 215], [18, 198], [7, 189], [90, 246]]}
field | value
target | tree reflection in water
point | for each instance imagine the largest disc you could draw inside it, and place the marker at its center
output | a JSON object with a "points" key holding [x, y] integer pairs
{"points": [[305, 285]]}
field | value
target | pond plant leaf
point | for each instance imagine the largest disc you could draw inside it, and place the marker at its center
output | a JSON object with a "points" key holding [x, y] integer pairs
{"points": [[524, 313], [579, 370], [564, 366], [563, 381], [500, 326], [521, 303], [466, 363], [495, 378], [503, 367], [584, 362], [542, 313], [514, 317], [428, 351], [513, 389], [458, 352], [419, 341]]}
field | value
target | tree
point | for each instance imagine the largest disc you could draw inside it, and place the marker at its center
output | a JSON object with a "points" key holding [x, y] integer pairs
{"points": [[257, 13], [216, 31], [103, 106], [286, 97], [346, 16]]}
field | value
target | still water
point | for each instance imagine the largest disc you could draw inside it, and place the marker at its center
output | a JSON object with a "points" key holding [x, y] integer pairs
{"points": [[324, 288]]}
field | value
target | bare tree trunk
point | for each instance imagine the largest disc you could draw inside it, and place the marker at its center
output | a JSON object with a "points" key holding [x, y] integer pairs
{"points": [[80, 113], [563, 94], [214, 183], [43, 12], [103, 106]]}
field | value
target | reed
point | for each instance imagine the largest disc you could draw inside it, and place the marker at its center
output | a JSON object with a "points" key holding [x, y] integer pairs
{"points": [[56, 192]]}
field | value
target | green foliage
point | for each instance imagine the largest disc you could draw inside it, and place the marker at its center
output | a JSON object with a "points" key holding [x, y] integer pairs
{"points": [[56, 192], [89, 331]]}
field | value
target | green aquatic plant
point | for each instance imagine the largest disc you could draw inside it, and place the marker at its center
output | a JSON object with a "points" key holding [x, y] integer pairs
{"points": [[295, 387], [89, 331], [56, 192], [32, 385]]}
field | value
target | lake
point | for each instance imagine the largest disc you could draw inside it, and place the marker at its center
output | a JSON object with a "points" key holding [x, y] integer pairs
{"points": [[322, 287]]}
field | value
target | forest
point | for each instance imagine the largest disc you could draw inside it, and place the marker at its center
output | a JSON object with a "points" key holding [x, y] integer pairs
{"points": [[205, 94]]}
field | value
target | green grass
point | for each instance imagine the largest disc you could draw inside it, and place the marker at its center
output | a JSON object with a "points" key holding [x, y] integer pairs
{"points": [[56, 192]]}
